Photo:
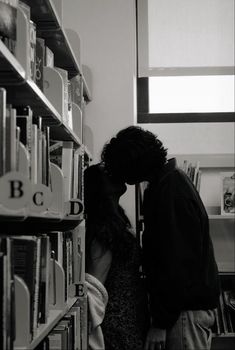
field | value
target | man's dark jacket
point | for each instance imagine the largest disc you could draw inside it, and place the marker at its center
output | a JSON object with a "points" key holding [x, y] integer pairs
{"points": [[179, 263]]}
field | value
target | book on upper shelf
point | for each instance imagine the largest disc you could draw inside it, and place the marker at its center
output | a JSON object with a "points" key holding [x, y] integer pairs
{"points": [[26, 40], [7, 293], [26, 260], [228, 193], [8, 23], [2, 131], [193, 172], [69, 160], [40, 62]]}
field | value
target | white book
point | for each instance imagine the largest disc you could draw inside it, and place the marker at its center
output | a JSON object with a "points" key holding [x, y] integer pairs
{"points": [[23, 50], [227, 193], [60, 248], [44, 278], [77, 89], [32, 49], [34, 155], [2, 131], [36, 292], [67, 168], [49, 57], [10, 139], [39, 155], [17, 147], [24, 121], [77, 258], [64, 75], [75, 173]]}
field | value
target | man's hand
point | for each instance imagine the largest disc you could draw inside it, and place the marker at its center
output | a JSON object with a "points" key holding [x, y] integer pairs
{"points": [[156, 339]]}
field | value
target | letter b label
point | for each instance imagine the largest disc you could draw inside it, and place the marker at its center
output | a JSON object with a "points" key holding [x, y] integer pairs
{"points": [[15, 191]]}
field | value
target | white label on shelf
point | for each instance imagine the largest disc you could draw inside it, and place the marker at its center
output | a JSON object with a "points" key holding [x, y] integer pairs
{"points": [[74, 207], [41, 198], [15, 191]]}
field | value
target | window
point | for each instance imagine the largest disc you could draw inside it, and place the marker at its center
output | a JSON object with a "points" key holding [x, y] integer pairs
{"points": [[185, 60]]}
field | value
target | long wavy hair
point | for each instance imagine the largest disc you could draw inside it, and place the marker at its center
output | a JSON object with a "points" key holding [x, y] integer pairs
{"points": [[106, 222]]}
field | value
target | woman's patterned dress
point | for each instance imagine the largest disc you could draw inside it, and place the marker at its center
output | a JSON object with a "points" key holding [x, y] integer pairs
{"points": [[126, 317]]}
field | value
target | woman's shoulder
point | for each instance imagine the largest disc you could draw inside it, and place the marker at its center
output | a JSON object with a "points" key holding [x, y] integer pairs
{"points": [[100, 261]]}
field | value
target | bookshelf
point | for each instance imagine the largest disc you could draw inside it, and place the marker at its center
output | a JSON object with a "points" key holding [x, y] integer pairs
{"points": [[48, 19], [43, 93]]}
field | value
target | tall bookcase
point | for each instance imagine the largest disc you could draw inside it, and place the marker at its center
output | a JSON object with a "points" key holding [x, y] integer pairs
{"points": [[43, 94], [222, 231]]}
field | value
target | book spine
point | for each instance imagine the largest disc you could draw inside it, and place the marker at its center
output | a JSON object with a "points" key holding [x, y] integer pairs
{"points": [[32, 49], [10, 139], [36, 281], [67, 168], [2, 131], [49, 57], [34, 155], [8, 24], [40, 49]]}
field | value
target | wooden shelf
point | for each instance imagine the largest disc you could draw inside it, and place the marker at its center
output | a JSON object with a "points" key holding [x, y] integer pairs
{"points": [[28, 218], [44, 329], [22, 91], [37, 224]]}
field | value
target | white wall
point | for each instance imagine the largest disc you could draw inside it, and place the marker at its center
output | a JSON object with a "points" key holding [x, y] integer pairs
{"points": [[193, 138], [107, 32]]}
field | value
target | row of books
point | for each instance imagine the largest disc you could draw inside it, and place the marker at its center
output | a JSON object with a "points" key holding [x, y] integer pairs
{"points": [[30, 258], [226, 189], [16, 23], [68, 252], [7, 310], [19, 129], [68, 333], [38, 59], [193, 172], [225, 313], [23, 135], [71, 162]]}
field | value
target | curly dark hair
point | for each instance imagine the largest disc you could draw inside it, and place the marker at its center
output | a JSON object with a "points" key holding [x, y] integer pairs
{"points": [[132, 154], [105, 222]]}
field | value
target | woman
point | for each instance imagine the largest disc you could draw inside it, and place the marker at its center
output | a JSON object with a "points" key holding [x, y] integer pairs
{"points": [[113, 257]]}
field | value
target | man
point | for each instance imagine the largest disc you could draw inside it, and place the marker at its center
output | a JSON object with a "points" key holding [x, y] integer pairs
{"points": [[181, 272]]}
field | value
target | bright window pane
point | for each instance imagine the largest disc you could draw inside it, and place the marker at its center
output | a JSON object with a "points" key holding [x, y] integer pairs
{"points": [[191, 94]]}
